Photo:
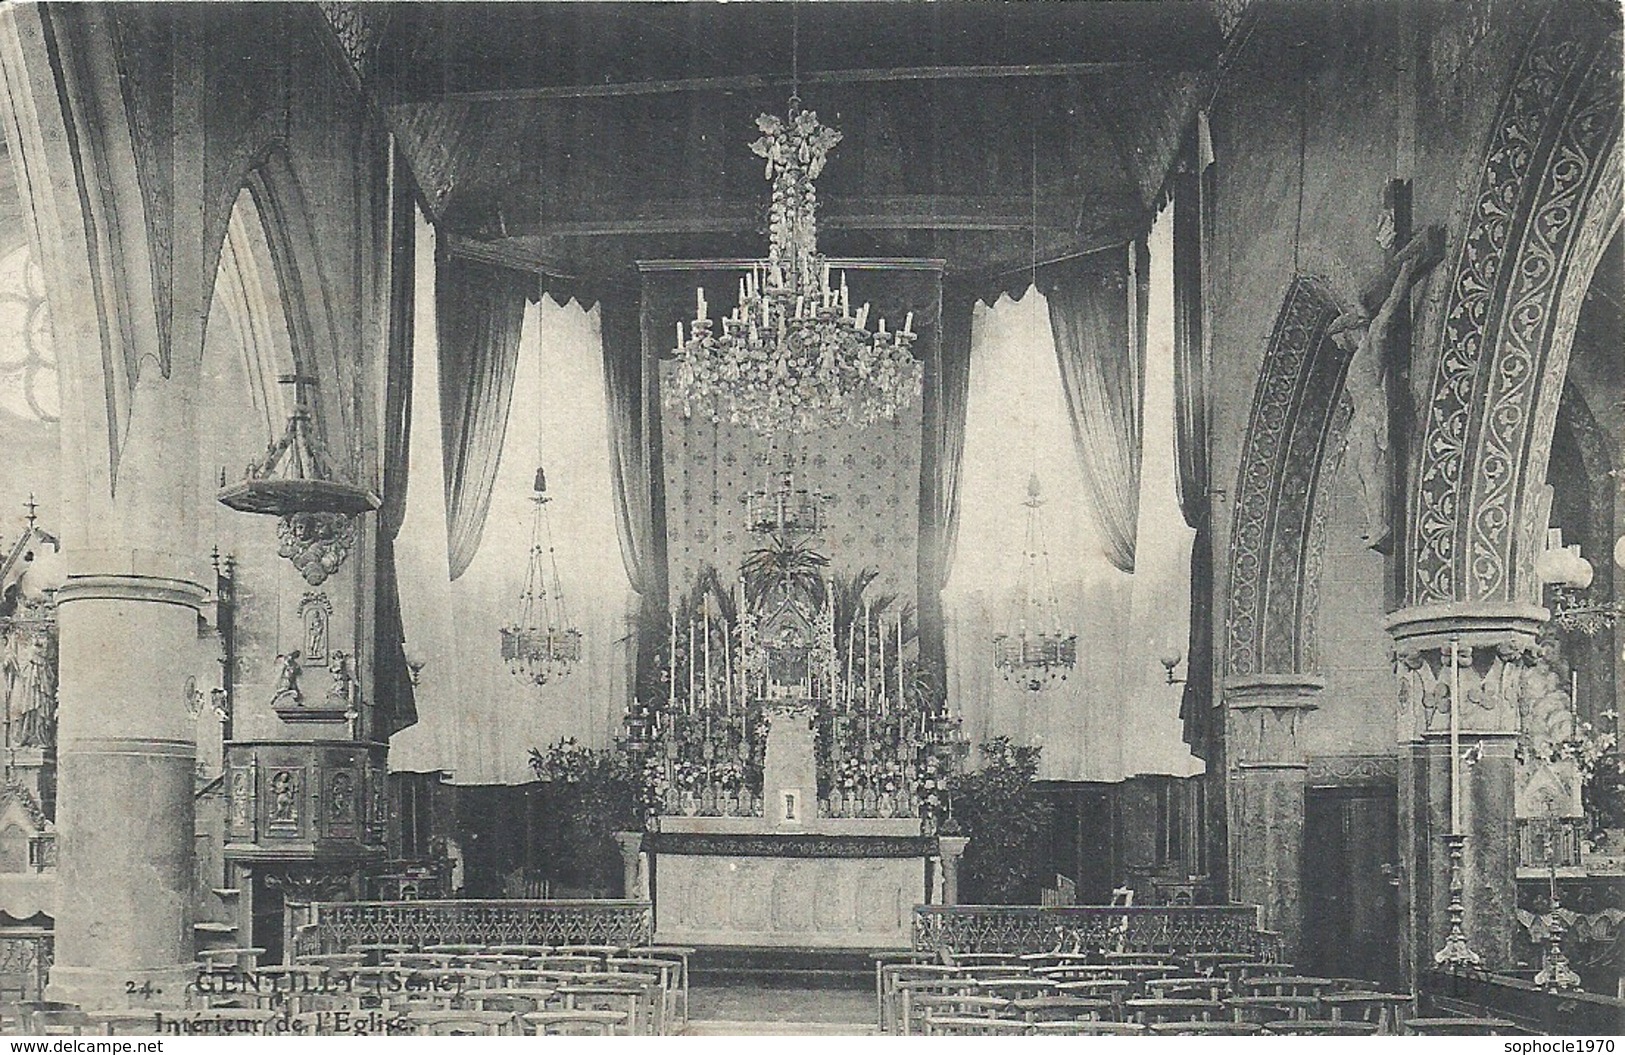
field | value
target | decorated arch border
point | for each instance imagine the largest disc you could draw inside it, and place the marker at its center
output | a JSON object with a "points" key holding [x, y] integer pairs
{"points": [[1295, 432], [1546, 201]]}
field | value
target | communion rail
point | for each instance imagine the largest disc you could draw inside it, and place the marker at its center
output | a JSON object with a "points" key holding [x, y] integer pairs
{"points": [[334, 926], [1093, 928]]}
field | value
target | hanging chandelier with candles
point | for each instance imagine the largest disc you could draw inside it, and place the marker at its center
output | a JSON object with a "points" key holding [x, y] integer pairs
{"points": [[794, 356], [1036, 651], [541, 645]]}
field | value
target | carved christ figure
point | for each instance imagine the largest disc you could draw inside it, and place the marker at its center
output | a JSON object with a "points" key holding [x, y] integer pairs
{"points": [[1366, 448]]}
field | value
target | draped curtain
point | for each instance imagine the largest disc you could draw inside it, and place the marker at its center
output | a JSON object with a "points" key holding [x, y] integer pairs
{"points": [[1097, 308], [1191, 434], [392, 680], [478, 312], [947, 388]]}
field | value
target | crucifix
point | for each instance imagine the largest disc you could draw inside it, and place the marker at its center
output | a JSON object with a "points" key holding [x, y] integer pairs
{"points": [[1377, 337]]}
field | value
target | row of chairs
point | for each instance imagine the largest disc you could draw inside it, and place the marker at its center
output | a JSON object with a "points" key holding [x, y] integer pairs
{"points": [[1136, 989]]}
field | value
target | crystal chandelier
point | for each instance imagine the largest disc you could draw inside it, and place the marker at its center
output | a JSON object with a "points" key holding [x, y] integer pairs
{"points": [[793, 356], [540, 645], [1030, 654]]}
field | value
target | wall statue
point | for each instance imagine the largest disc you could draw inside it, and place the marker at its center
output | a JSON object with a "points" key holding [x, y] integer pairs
{"points": [[28, 671]]}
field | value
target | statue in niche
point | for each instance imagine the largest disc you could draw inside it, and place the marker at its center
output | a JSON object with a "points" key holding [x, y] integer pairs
{"points": [[283, 805], [315, 610], [343, 792], [28, 667], [287, 681]]}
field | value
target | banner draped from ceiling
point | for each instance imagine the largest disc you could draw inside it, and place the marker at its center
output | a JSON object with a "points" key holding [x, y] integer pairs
{"points": [[1097, 309], [476, 720]]}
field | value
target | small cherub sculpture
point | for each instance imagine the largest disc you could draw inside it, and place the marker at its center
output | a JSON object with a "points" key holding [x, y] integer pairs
{"points": [[341, 693]]}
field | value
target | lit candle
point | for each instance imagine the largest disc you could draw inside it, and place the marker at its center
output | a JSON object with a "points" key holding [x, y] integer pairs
{"points": [[699, 302], [846, 305], [680, 334], [671, 667], [908, 324]]}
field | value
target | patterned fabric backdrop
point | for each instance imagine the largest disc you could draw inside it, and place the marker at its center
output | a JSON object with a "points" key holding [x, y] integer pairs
{"points": [[872, 477]]}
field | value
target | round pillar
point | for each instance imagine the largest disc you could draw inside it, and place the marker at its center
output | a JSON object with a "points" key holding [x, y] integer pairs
{"points": [[126, 758]]}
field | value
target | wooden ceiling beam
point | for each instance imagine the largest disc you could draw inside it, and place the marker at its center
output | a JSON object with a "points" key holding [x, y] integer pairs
{"points": [[751, 82]]}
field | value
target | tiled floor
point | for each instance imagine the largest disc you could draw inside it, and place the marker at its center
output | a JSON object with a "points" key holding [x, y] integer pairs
{"points": [[747, 1010]]}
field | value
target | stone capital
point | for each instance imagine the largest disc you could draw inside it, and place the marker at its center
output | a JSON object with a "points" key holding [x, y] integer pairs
{"points": [[146, 589], [952, 847], [1474, 624], [1297, 691]]}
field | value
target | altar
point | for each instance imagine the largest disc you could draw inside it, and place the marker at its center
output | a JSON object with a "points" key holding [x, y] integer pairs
{"points": [[793, 876]]}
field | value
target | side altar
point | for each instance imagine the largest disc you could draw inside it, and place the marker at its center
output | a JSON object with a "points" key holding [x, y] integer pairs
{"points": [[796, 759]]}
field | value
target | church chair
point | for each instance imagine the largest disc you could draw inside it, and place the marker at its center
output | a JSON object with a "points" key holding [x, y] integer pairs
{"points": [[243, 958], [904, 990], [462, 1023], [1320, 1027], [918, 1007], [616, 993], [1206, 1029], [1075, 972], [973, 959], [527, 951], [48, 1018], [454, 950], [1157, 958], [601, 952], [667, 971], [1086, 1028], [416, 961], [123, 1023], [1387, 1010], [333, 959], [572, 1022], [375, 951], [538, 998], [895, 959], [1292, 984], [892, 975], [1148, 1010], [681, 954], [957, 1026], [1205, 988], [1213, 963], [567, 962], [1263, 1008], [1263, 969], [1064, 1008], [1461, 1027], [1011, 988]]}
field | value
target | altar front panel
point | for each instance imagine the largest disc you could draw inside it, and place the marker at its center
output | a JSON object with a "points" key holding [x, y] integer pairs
{"points": [[810, 902]]}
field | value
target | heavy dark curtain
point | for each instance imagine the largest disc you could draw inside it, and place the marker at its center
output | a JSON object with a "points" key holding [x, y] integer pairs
{"points": [[478, 312], [395, 703], [1191, 441], [632, 405], [946, 392], [1097, 310]]}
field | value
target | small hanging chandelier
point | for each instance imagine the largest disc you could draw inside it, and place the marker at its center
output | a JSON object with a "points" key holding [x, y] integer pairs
{"points": [[1028, 653], [541, 645], [294, 481]]}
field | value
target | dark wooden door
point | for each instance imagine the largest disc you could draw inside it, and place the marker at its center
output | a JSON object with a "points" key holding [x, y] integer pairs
{"points": [[1351, 913]]}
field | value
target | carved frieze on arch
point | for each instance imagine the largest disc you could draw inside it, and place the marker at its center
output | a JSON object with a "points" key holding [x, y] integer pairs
{"points": [[1294, 437], [1546, 201]]}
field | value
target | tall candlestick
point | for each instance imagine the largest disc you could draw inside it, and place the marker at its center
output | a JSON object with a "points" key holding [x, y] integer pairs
{"points": [[866, 667], [671, 667], [899, 657], [1455, 737], [707, 657], [727, 671], [692, 656], [851, 654], [882, 630]]}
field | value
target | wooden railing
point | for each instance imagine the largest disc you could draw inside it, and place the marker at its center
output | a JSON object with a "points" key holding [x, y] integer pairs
{"points": [[334, 926], [1093, 928]]}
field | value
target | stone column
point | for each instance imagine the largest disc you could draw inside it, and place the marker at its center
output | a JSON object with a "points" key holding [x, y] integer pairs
{"points": [[631, 844], [1494, 648], [124, 813], [1267, 775], [951, 848]]}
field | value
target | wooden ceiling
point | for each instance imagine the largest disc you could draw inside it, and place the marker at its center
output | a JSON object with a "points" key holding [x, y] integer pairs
{"points": [[578, 137]]}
